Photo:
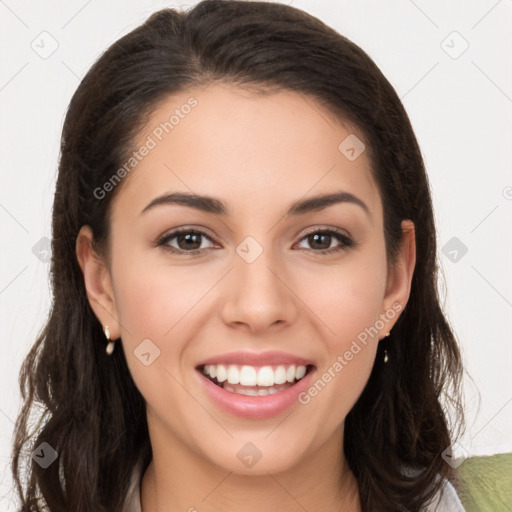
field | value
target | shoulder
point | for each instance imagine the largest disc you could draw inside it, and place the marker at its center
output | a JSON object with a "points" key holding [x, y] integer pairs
{"points": [[446, 500]]}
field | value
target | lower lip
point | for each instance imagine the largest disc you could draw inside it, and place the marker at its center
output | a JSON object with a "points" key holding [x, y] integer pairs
{"points": [[256, 407]]}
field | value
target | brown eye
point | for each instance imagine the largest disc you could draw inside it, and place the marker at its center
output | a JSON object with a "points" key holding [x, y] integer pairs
{"points": [[189, 241], [321, 241], [184, 241]]}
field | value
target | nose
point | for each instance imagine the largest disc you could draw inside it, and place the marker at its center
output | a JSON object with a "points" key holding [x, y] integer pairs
{"points": [[258, 296]]}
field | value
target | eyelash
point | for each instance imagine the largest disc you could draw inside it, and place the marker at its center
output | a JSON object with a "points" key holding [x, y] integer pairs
{"points": [[346, 242]]}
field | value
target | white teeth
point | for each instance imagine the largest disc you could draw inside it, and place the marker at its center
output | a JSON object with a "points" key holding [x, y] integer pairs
{"points": [[222, 374], [250, 391], [290, 374], [270, 391], [280, 375], [266, 376], [233, 375], [299, 372], [246, 375]]}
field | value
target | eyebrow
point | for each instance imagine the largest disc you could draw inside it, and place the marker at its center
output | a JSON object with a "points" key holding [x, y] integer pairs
{"points": [[216, 206]]}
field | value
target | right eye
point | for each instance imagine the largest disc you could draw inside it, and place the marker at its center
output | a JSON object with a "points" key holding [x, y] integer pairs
{"points": [[188, 241]]}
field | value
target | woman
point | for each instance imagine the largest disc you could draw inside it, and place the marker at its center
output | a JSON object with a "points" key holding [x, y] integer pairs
{"points": [[245, 313]]}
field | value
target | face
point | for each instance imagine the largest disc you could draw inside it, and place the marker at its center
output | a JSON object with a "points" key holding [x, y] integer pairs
{"points": [[257, 284]]}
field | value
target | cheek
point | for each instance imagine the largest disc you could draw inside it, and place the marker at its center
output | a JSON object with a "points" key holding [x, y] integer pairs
{"points": [[152, 301], [346, 297], [347, 300], [153, 304]]}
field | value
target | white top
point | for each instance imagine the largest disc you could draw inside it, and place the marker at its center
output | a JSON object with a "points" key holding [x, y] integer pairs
{"points": [[446, 501]]}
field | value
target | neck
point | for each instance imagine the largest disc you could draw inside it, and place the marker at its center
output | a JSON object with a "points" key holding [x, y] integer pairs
{"points": [[181, 480]]}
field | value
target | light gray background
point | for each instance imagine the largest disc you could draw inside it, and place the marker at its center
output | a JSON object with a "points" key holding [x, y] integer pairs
{"points": [[460, 107]]}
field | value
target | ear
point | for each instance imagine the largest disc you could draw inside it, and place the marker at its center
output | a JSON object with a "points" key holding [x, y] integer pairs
{"points": [[97, 282], [400, 274]]}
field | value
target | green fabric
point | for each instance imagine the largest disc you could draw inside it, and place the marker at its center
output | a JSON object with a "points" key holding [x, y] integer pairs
{"points": [[486, 483]]}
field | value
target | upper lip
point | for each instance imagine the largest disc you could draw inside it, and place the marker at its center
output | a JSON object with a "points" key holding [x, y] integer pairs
{"points": [[269, 358]]}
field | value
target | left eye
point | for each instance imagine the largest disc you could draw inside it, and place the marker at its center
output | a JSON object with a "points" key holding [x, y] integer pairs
{"points": [[322, 240]]}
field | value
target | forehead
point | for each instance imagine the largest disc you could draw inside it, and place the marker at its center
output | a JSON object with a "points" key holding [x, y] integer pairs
{"points": [[252, 150]]}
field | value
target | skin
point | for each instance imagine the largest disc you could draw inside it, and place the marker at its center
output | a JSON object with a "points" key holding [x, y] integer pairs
{"points": [[258, 154]]}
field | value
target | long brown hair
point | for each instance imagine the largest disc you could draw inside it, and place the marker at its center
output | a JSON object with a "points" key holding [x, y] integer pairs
{"points": [[86, 403]]}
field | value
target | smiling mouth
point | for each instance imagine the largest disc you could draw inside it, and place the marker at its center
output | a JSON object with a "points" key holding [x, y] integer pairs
{"points": [[255, 381]]}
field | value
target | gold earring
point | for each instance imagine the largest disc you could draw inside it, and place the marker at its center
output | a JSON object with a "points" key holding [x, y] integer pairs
{"points": [[111, 344], [386, 357]]}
